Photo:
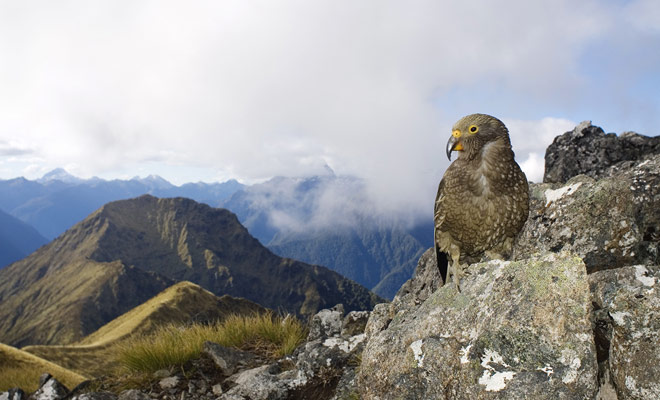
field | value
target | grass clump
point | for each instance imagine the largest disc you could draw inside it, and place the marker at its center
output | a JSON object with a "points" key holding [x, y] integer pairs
{"points": [[172, 346]]}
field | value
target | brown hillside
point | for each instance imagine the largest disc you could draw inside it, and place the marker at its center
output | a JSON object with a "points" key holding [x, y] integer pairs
{"points": [[180, 304], [22, 369], [128, 251]]}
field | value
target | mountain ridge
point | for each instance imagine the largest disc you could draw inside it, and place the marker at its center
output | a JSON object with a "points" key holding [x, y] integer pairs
{"points": [[129, 250]]}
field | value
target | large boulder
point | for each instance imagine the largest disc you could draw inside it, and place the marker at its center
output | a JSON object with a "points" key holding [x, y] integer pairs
{"points": [[517, 330], [627, 330], [588, 150], [611, 222]]}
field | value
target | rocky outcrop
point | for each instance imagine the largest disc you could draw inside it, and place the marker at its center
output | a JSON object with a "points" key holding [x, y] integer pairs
{"points": [[322, 368], [517, 330], [510, 332], [588, 150], [627, 329], [610, 223]]}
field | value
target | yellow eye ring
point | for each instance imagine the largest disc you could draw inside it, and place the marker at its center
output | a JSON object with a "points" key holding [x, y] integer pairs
{"points": [[473, 129]]}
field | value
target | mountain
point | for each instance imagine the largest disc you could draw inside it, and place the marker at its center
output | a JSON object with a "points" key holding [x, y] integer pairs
{"points": [[128, 251], [332, 221], [180, 304], [58, 200], [17, 239]]}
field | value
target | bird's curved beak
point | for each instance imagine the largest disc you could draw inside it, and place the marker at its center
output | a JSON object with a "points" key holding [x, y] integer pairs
{"points": [[454, 143]]}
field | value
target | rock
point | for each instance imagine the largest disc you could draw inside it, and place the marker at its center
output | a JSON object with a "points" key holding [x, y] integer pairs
{"points": [[133, 394], [95, 396], [49, 389], [13, 394], [169, 383], [217, 389], [316, 367], [354, 323], [326, 323], [517, 330], [627, 329], [162, 373], [227, 359], [588, 150], [610, 223], [424, 282]]}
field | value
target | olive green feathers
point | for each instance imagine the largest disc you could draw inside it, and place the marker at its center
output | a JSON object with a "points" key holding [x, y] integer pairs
{"points": [[483, 199]]}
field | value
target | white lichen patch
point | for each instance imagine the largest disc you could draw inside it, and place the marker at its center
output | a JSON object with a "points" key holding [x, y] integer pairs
{"points": [[572, 374], [345, 345], [416, 348], [619, 316], [494, 380], [547, 369], [465, 351], [552, 196], [640, 275]]}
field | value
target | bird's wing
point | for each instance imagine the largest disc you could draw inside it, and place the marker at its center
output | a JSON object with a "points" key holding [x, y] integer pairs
{"points": [[438, 219]]}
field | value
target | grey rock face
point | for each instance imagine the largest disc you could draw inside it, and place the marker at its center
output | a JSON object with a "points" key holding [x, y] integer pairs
{"points": [[50, 389], [133, 394], [627, 326], [588, 150], [611, 223], [95, 396], [13, 394], [518, 330], [326, 323], [354, 323], [228, 360]]}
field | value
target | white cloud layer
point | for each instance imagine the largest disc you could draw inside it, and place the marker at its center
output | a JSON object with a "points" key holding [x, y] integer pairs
{"points": [[252, 89]]}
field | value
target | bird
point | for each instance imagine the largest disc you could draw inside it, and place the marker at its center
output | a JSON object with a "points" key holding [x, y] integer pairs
{"points": [[483, 198]]}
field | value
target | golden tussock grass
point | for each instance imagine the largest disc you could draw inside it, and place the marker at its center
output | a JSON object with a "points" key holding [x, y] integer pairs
{"points": [[22, 369], [170, 346]]}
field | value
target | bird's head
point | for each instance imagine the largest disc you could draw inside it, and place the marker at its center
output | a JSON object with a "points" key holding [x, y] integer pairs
{"points": [[472, 132]]}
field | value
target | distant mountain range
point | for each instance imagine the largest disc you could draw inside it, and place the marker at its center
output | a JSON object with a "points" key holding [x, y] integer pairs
{"points": [[17, 239], [58, 200], [326, 220], [331, 221], [128, 251]]}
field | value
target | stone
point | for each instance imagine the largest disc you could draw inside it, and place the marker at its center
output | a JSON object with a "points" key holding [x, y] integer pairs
{"points": [[315, 369], [227, 359], [50, 389], [95, 396], [517, 330], [133, 394], [217, 389], [13, 394], [588, 150], [162, 373], [169, 383], [627, 329], [610, 223], [354, 323], [326, 323]]}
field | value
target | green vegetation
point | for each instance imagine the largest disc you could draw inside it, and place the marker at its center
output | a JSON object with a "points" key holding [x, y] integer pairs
{"points": [[171, 346]]}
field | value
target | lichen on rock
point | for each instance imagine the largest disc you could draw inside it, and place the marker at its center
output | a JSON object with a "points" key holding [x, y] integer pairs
{"points": [[512, 323]]}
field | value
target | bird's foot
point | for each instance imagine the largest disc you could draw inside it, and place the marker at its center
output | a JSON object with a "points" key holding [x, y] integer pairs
{"points": [[458, 272]]}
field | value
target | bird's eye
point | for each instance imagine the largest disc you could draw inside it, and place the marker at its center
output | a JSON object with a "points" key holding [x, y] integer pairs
{"points": [[473, 129]]}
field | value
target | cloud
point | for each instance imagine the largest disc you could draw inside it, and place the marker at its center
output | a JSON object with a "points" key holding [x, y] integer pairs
{"points": [[12, 149], [254, 89]]}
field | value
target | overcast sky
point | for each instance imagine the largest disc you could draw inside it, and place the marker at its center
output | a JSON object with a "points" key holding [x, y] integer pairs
{"points": [[212, 90]]}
